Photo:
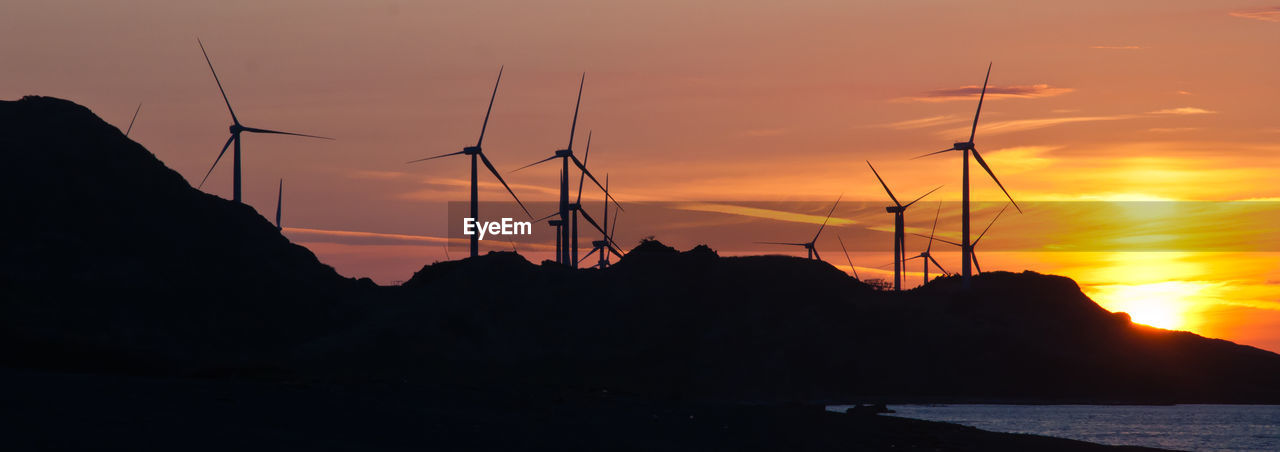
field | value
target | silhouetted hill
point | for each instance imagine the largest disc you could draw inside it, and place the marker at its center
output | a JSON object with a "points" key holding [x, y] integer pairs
{"points": [[111, 260], [770, 328]]}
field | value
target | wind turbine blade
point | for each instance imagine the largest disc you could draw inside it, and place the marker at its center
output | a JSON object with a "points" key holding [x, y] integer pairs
{"points": [[935, 227], [983, 163], [934, 153], [614, 228], [277, 132], [586, 155], [553, 214], [936, 264], [279, 203], [574, 126], [846, 255], [975, 261], [974, 131], [913, 258], [490, 110], [938, 239], [215, 162], [992, 223], [882, 184], [593, 251], [783, 243], [922, 197], [436, 157], [816, 255], [535, 163], [493, 170], [135, 118], [587, 217], [219, 82], [615, 251], [588, 173], [824, 221]]}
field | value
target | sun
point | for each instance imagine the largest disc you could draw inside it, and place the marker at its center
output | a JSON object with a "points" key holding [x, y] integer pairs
{"points": [[1164, 304]]}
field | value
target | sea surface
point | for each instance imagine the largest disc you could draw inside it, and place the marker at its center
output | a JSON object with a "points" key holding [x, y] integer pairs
{"points": [[1179, 427]]}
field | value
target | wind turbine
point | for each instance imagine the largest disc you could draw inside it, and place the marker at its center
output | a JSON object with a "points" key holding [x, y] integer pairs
{"points": [[899, 238], [476, 152], [973, 246], [809, 246], [926, 255], [566, 155], [605, 245], [135, 118], [279, 203], [236, 129], [846, 258], [967, 147]]}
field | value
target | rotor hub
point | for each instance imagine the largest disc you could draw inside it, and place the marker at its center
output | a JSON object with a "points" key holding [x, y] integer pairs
{"points": [[236, 128], [564, 153], [471, 150]]}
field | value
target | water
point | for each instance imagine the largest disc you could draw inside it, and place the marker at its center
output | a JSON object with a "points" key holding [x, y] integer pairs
{"points": [[1180, 427]]}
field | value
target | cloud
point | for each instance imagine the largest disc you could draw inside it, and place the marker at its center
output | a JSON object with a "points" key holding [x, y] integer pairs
{"points": [[1117, 47], [363, 237], [756, 212], [1019, 125], [993, 92], [1268, 14], [445, 189], [1183, 92], [1183, 111], [924, 122], [1172, 129]]}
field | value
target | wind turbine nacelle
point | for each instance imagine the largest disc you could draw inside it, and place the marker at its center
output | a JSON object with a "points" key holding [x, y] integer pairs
{"points": [[564, 153], [599, 243], [894, 209], [471, 150], [963, 146], [555, 223], [236, 128], [574, 205]]}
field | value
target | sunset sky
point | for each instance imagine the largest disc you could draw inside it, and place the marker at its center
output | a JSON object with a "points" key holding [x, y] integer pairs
{"points": [[712, 101]]}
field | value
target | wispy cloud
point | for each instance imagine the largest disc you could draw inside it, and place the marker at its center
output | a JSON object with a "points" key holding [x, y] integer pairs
{"points": [[1019, 125], [1183, 111], [1268, 14], [368, 235], [1183, 92], [757, 212], [993, 92], [1172, 129], [1117, 47], [924, 122], [444, 189]]}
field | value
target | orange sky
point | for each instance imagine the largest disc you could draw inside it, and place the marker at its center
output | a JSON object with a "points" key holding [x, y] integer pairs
{"points": [[697, 101]]}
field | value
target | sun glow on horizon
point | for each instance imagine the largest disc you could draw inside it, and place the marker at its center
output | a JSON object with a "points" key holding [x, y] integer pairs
{"points": [[1167, 304]]}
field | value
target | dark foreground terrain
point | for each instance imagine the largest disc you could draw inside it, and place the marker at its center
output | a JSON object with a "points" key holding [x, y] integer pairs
{"points": [[44, 411], [136, 309]]}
